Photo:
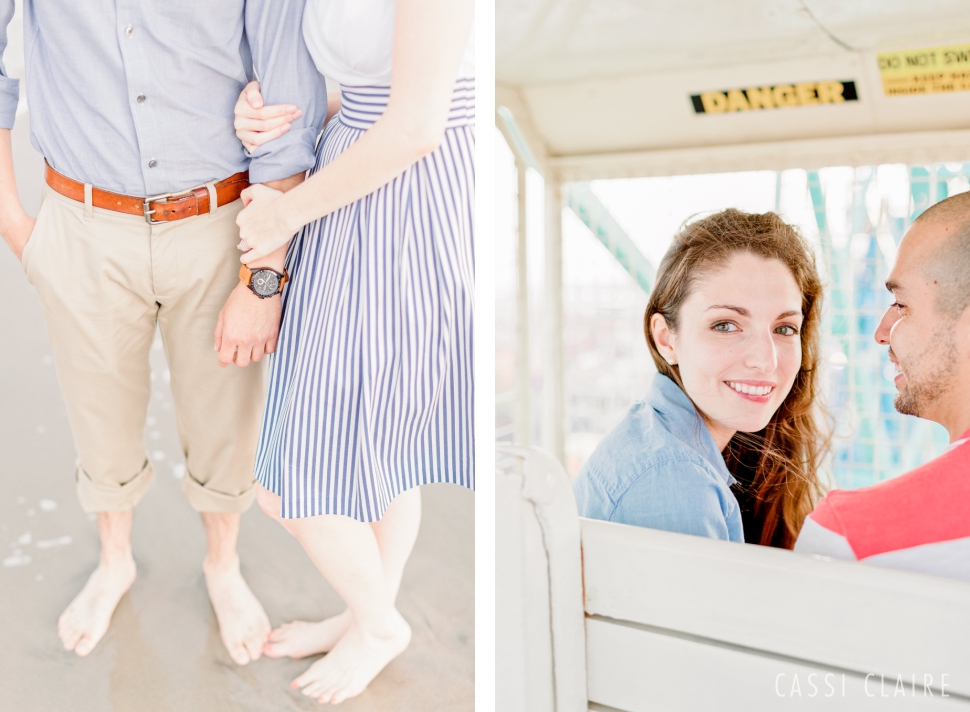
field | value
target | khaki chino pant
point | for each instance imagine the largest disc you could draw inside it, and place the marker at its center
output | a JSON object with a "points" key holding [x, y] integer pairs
{"points": [[105, 280]]}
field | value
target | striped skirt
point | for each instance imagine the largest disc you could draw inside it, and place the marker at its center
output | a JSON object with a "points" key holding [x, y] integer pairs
{"points": [[372, 385]]}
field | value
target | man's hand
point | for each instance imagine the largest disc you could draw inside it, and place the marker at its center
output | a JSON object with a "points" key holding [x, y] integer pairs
{"points": [[247, 327], [15, 224], [17, 232]]}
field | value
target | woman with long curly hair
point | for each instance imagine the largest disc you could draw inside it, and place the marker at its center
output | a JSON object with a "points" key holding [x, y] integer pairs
{"points": [[727, 443]]}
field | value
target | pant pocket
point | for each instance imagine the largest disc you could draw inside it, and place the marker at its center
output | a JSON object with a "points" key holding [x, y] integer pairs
{"points": [[30, 249]]}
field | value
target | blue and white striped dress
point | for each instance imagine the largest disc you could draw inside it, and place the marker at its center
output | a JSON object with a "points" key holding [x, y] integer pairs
{"points": [[372, 385]]}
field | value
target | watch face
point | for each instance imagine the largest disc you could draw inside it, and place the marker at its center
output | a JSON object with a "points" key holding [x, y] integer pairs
{"points": [[265, 282]]}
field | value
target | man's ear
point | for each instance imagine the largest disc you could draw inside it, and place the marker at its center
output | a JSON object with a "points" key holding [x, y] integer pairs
{"points": [[663, 338]]}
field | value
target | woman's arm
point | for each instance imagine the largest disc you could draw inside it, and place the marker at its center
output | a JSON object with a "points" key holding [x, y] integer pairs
{"points": [[430, 37]]}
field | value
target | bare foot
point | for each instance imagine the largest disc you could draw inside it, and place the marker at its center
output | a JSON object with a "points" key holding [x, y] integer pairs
{"points": [[300, 638], [86, 620], [354, 661], [242, 621]]}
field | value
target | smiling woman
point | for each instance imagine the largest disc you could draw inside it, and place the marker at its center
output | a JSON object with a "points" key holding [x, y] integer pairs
{"points": [[727, 444], [732, 355]]}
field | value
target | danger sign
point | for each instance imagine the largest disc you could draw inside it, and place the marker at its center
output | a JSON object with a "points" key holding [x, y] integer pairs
{"points": [[775, 97], [934, 70]]}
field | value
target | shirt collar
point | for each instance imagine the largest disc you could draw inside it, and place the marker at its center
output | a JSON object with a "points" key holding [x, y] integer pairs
{"points": [[685, 423]]}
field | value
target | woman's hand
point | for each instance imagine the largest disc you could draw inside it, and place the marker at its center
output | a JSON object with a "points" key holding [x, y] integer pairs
{"points": [[262, 228], [256, 124]]}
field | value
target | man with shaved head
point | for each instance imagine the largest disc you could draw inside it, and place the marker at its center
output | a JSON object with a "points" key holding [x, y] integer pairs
{"points": [[919, 521]]}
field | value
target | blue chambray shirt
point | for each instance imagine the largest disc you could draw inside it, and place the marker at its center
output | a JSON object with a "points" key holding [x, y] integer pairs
{"points": [[660, 468], [137, 96]]}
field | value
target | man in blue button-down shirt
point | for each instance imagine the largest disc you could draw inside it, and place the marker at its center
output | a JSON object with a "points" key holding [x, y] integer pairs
{"points": [[136, 98]]}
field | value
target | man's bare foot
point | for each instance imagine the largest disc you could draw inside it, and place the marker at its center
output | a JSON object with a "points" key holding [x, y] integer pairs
{"points": [[86, 620], [242, 621], [300, 638], [355, 660]]}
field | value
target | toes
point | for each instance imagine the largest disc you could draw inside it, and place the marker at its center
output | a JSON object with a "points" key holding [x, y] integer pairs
{"points": [[340, 690], [84, 646], [307, 678], [327, 697], [65, 625], [338, 698], [318, 690], [314, 689], [238, 654], [287, 629], [329, 689], [254, 648], [271, 651], [69, 638], [278, 634]]}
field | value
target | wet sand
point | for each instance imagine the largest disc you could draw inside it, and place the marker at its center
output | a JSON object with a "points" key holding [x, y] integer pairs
{"points": [[163, 651]]}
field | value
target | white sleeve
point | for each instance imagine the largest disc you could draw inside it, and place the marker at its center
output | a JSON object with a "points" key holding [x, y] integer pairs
{"points": [[816, 539]]}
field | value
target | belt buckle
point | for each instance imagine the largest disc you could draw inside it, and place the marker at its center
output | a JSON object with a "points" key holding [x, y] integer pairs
{"points": [[145, 207], [163, 196]]}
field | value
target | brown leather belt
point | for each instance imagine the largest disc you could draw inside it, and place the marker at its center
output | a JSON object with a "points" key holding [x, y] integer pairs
{"points": [[157, 208]]}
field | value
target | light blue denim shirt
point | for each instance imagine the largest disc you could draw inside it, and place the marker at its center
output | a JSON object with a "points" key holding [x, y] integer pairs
{"points": [[660, 468], [137, 96]]}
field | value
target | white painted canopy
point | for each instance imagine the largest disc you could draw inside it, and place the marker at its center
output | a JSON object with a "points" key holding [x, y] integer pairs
{"points": [[602, 88]]}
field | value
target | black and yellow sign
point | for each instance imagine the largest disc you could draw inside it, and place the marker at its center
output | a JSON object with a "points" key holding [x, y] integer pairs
{"points": [[934, 70], [777, 97]]}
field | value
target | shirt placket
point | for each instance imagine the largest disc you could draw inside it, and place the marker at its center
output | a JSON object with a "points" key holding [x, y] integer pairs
{"points": [[132, 26]]}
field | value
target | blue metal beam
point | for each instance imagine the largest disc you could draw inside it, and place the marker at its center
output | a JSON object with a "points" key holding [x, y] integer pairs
{"points": [[520, 145], [580, 198]]}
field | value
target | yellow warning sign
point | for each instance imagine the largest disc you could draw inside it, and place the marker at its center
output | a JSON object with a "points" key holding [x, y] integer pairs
{"points": [[774, 97], [933, 70]]}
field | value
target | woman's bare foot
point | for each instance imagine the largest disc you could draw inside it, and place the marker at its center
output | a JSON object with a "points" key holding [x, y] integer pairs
{"points": [[300, 638], [355, 660], [242, 621], [86, 620]]}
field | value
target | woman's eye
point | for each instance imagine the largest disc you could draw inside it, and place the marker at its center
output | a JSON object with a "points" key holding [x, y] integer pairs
{"points": [[897, 305], [725, 327], [786, 330]]}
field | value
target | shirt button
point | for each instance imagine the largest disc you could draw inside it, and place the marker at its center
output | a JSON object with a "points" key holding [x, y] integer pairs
{"points": [[129, 30], [140, 98], [152, 163]]}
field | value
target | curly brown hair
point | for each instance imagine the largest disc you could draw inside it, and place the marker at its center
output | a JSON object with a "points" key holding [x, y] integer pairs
{"points": [[782, 461]]}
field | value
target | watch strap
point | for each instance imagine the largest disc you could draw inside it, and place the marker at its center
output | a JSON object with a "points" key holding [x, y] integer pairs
{"points": [[246, 276]]}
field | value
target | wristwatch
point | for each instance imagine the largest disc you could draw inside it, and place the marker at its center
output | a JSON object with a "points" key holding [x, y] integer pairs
{"points": [[263, 282]]}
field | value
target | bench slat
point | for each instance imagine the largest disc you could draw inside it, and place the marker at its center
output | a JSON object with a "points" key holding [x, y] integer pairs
{"points": [[633, 670], [833, 613]]}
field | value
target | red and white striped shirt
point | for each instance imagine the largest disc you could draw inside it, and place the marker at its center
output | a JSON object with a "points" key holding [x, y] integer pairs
{"points": [[919, 521]]}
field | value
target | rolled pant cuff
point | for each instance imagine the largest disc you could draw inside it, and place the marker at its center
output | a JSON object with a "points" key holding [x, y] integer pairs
{"points": [[205, 499], [102, 497]]}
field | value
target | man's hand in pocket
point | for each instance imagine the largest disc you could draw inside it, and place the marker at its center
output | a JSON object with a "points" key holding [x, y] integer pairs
{"points": [[16, 232]]}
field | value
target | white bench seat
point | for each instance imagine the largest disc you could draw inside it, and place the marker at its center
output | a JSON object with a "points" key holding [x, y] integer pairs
{"points": [[680, 622], [664, 621]]}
